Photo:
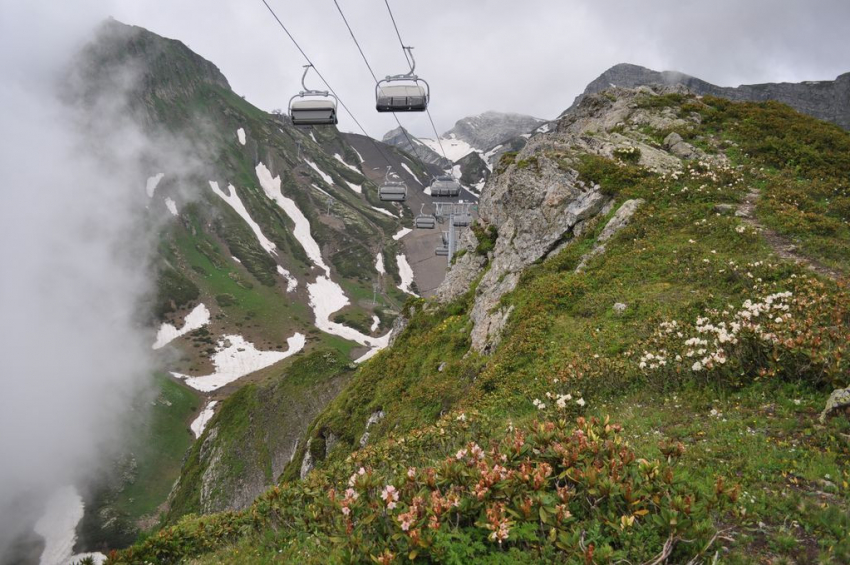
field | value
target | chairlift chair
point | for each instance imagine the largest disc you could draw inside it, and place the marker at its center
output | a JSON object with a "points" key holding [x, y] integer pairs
{"points": [[442, 251], [393, 188], [424, 221], [445, 187], [403, 93], [313, 107], [462, 220]]}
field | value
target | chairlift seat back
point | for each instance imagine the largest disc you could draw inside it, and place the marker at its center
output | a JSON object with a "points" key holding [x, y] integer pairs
{"points": [[311, 112], [402, 98]]}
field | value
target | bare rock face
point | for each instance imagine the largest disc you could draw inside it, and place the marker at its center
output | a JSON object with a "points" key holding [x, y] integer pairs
{"points": [[823, 99], [540, 205]]}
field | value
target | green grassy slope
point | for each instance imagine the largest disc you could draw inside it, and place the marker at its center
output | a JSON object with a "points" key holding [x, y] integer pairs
{"points": [[720, 451]]}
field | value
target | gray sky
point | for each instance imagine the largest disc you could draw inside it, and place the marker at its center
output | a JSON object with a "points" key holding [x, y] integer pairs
{"points": [[530, 57]]}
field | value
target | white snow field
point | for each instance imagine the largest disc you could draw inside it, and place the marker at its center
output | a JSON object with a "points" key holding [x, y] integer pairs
{"points": [[172, 206], [411, 173], [291, 282], [235, 357], [406, 274], [58, 527], [196, 319], [339, 158], [327, 297], [240, 133], [379, 264], [401, 233], [233, 200], [325, 176], [200, 423], [455, 148], [153, 182], [382, 211], [271, 186]]}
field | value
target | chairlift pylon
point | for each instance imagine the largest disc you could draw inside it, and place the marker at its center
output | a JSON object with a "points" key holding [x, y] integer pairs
{"points": [[393, 188], [313, 107], [412, 94]]}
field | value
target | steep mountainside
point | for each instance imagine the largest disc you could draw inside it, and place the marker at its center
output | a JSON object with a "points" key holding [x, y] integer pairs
{"points": [[628, 361], [825, 99], [485, 131], [277, 251]]}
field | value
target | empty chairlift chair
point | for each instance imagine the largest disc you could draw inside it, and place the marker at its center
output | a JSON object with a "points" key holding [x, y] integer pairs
{"points": [[424, 221], [392, 189], [462, 220], [403, 93], [312, 107], [445, 187]]}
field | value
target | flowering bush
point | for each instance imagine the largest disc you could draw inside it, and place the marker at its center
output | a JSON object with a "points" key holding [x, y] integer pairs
{"points": [[796, 334]]}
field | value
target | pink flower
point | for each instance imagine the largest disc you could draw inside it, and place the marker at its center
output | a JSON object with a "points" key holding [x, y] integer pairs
{"points": [[390, 496], [411, 472]]}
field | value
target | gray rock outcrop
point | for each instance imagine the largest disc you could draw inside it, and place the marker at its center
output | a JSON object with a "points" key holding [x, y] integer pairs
{"points": [[825, 99]]}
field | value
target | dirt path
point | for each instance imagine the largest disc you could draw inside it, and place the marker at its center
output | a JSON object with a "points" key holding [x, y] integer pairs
{"points": [[781, 245]]}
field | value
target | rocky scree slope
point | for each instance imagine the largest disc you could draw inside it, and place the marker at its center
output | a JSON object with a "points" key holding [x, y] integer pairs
{"points": [[824, 99], [714, 354]]}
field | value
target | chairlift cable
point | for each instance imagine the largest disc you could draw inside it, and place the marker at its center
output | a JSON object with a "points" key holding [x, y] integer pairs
{"points": [[404, 50], [350, 113], [375, 77]]}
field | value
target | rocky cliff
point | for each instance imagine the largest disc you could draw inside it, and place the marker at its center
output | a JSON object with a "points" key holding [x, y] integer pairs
{"points": [[826, 99]]}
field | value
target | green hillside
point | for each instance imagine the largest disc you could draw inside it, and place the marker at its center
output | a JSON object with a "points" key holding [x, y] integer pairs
{"points": [[660, 404]]}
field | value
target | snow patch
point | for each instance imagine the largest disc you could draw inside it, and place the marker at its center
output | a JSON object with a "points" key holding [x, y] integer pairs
{"points": [[406, 168], [240, 133], [233, 200], [291, 282], [455, 148], [200, 423], [376, 323], [406, 274], [379, 264], [196, 319], [58, 527], [327, 297], [543, 129], [401, 233], [320, 190], [313, 137], [359, 156], [236, 259], [382, 211], [358, 188], [153, 182], [456, 172], [271, 186], [339, 158], [172, 206], [325, 177], [235, 357]]}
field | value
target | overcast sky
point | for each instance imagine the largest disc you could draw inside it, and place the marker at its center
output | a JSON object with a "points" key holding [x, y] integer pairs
{"points": [[530, 57]]}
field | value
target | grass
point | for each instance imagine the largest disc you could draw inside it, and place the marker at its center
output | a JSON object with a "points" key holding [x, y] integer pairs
{"points": [[746, 425]]}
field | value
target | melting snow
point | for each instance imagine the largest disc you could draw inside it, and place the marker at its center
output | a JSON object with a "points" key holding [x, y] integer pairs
{"points": [[325, 177], [359, 156], [320, 190], [543, 129], [376, 323], [313, 137], [526, 135], [152, 183], [379, 264], [401, 233], [239, 207], [358, 188], [235, 259], [455, 148], [291, 282], [406, 274], [271, 186], [456, 172], [382, 211], [58, 527], [326, 297], [339, 158], [236, 358], [197, 318], [241, 134], [200, 423], [406, 168], [172, 206]]}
